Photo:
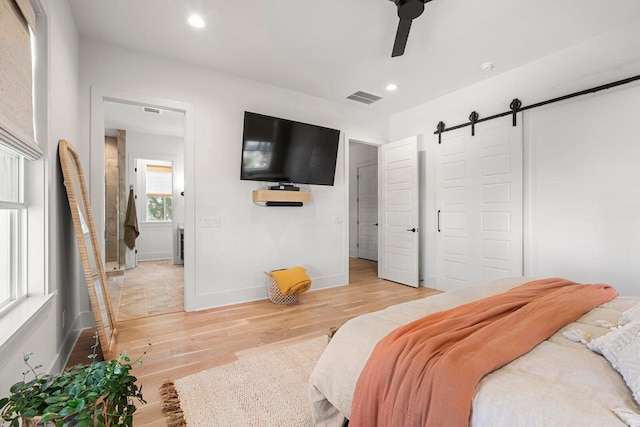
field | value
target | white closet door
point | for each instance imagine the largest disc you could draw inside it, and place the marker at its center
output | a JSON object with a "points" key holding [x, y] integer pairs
{"points": [[368, 212], [479, 203], [398, 207]]}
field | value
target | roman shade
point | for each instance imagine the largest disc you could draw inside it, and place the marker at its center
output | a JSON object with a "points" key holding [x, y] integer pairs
{"points": [[159, 180], [16, 97]]}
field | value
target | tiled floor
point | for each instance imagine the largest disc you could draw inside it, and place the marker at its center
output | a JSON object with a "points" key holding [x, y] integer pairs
{"points": [[153, 287]]}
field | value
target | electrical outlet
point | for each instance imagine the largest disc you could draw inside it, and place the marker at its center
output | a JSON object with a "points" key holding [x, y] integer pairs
{"points": [[337, 219]]}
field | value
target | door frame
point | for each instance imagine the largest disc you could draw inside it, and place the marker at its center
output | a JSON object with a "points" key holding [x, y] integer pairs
{"points": [[135, 179], [347, 184], [97, 181]]}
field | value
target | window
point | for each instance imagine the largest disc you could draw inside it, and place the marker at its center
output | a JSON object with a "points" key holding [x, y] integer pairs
{"points": [[17, 143], [158, 181], [11, 213]]}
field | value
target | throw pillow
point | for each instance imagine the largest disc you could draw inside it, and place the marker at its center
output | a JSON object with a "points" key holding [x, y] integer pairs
{"points": [[621, 348], [630, 315]]}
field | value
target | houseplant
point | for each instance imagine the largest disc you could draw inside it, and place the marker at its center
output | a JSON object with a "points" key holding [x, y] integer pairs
{"points": [[98, 394]]}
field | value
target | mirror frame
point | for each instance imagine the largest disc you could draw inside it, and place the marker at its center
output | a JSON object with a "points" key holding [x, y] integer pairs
{"points": [[101, 307]]}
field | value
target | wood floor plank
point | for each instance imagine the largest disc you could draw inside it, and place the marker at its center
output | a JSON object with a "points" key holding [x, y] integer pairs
{"points": [[186, 343]]}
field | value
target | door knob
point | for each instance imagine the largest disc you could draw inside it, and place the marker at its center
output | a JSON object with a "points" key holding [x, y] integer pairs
{"points": [[413, 230], [376, 224]]}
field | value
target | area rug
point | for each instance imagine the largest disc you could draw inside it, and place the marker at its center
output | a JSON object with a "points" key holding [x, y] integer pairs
{"points": [[268, 389]]}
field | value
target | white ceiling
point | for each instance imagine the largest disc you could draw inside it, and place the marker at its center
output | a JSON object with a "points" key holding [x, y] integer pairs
{"points": [[134, 118], [332, 48]]}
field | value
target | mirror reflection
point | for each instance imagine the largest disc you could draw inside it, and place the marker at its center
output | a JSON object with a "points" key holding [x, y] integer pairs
{"points": [[87, 239]]}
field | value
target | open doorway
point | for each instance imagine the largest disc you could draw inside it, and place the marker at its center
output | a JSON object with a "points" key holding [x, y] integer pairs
{"points": [[149, 199], [363, 201]]}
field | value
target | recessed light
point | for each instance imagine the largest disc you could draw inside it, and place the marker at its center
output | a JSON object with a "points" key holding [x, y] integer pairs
{"points": [[486, 66], [196, 21], [391, 87]]}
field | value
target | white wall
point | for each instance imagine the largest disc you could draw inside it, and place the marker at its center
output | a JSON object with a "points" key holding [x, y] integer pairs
{"points": [[598, 61], [158, 241], [229, 260], [44, 333], [358, 153], [584, 191], [66, 274]]}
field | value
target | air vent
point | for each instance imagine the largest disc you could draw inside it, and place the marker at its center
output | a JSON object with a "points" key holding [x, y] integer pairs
{"points": [[364, 97], [152, 110]]}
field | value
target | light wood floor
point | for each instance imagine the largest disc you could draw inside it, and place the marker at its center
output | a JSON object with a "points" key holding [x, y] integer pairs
{"points": [[185, 343]]}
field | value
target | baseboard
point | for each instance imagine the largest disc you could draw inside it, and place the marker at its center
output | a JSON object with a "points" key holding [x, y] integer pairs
{"points": [[66, 349], [221, 299], [83, 321], [150, 256], [329, 281]]}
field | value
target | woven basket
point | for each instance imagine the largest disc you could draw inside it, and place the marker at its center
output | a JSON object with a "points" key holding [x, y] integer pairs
{"points": [[275, 295]]}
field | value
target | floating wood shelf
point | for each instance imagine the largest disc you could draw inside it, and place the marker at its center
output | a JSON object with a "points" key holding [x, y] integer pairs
{"points": [[281, 196]]}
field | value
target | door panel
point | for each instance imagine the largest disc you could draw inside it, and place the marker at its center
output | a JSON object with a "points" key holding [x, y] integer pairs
{"points": [[398, 182], [479, 199], [368, 212]]}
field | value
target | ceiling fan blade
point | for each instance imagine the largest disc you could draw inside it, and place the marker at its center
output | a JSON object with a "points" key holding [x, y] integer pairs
{"points": [[402, 34]]}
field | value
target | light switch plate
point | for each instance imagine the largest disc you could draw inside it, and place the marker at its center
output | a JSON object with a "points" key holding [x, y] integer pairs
{"points": [[211, 221]]}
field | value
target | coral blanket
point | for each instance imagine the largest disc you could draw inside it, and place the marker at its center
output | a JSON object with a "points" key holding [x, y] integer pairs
{"points": [[425, 373], [292, 280]]}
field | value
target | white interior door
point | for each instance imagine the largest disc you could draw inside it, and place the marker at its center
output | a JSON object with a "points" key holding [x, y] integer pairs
{"points": [[479, 202], [368, 212], [398, 211]]}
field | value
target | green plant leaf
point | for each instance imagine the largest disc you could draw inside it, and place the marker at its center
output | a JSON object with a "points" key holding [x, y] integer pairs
{"points": [[16, 387], [47, 417], [29, 413], [67, 410], [55, 399]]}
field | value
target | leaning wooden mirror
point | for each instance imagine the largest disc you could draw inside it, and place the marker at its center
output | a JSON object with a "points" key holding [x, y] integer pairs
{"points": [[88, 244]]}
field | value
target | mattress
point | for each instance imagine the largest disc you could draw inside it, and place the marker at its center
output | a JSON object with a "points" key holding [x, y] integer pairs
{"points": [[558, 383]]}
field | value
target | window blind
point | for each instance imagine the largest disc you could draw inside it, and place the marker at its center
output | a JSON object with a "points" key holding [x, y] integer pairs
{"points": [[16, 97], [159, 180]]}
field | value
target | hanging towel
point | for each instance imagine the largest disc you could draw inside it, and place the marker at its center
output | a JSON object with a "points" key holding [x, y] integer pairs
{"points": [[131, 231], [292, 280]]}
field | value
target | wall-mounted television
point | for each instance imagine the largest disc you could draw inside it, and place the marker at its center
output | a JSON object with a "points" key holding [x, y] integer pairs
{"points": [[286, 151]]}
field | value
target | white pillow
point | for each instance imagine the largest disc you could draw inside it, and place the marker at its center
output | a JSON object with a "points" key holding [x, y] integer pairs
{"points": [[621, 347], [630, 315]]}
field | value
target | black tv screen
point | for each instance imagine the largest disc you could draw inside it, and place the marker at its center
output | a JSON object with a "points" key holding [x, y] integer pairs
{"points": [[287, 151]]}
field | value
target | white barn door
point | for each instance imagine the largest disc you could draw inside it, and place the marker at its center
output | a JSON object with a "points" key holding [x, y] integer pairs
{"points": [[479, 205], [398, 208], [368, 212]]}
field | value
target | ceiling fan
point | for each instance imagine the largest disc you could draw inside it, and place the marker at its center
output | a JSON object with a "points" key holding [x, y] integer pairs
{"points": [[408, 10]]}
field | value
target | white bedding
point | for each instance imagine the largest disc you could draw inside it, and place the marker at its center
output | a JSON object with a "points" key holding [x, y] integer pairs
{"points": [[558, 383]]}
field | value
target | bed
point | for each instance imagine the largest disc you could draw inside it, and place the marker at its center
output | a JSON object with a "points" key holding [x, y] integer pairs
{"points": [[559, 382]]}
